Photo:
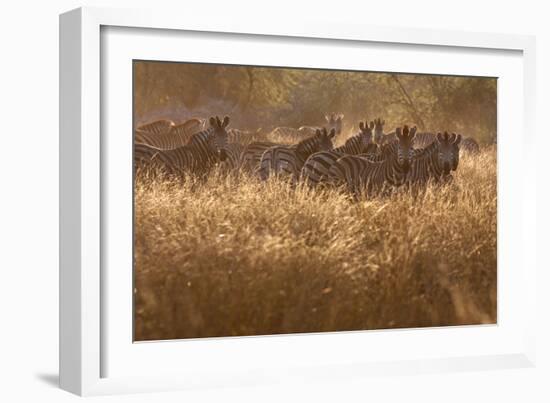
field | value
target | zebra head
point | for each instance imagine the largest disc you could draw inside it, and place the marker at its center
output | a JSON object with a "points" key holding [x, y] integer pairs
{"points": [[334, 121], [324, 139], [217, 141], [378, 129], [405, 151], [365, 133], [448, 151]]}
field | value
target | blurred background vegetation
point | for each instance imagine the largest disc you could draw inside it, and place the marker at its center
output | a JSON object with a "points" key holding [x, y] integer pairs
{"points": [[264, 97]]}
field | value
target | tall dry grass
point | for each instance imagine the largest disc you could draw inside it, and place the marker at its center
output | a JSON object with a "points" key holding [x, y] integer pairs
{"points": [[231, 256]]}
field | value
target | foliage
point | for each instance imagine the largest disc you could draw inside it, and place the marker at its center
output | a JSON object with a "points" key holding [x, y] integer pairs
{"points": [[269, 97]]}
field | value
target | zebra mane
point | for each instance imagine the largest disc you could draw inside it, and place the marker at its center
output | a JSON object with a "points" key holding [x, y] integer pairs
{"points": [[307, 145], [354, 144]]}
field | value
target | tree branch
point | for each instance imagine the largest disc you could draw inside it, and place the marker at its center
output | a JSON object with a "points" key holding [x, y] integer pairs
{"points": [[410, 102]]}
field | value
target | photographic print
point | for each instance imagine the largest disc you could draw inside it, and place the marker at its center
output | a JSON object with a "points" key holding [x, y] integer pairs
{"points": [[275, 200]]}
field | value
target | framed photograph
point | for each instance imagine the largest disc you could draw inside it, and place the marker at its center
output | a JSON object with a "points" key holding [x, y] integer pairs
{"points": [[246, 203]]}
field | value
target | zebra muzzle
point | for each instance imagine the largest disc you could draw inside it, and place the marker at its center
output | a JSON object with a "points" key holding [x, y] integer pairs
{"points": [[222, 155]]}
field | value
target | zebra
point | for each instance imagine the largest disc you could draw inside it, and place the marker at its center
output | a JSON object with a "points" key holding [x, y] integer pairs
{"points": [[421, 140], [292, 135], [436, 161], [287, 135], [177, 136], [378, 130], [233, 152], [289, 160], [469, 145], [157, 127], [359, 173], [204, 150], [316, 167], [334, 121], [252, 155], [380, 137], [242, 136]]}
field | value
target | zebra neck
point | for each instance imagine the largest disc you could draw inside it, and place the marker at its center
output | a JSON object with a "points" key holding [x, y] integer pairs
{"points": [[307, 147], [396, 174], [429, 156], [351, 146], [199, 147]]}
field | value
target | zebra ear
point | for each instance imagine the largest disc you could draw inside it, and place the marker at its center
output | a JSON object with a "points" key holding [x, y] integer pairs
{"points": [[371, 125], [317, 132], [332, 133], [398, 132], [439, 137], [412, 133], [361, 126], [341, 116], [225, 122], [212, 121], [458, 138], [452, 138]]}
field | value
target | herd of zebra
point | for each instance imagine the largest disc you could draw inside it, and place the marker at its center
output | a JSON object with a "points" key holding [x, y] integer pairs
{"points": [[370, 160]]}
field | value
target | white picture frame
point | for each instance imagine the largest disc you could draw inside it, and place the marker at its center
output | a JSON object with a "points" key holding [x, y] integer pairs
{"points": [[85, 344]]}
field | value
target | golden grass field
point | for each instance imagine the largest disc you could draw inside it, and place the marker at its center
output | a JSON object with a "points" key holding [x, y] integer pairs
{"points": [[232, 256]]}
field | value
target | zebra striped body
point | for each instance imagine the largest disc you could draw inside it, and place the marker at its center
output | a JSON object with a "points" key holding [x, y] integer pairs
{"points": [[176, 135], [315, 169], [157, 127], [202, 152], [289, 160], [291, 135], [359, 173], [287, 135], [144, 155], [469, 145], [252, 155], [308, 131], [242, 136], [233, 157]]}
